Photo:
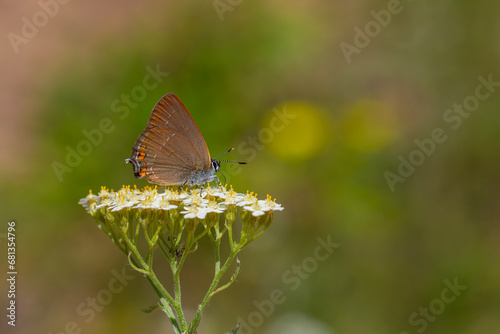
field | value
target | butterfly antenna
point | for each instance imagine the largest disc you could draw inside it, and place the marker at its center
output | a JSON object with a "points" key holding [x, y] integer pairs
{"points": [[234, 162], [230, 150]]}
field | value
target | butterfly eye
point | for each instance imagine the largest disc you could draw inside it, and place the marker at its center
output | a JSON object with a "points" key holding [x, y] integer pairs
{"points": [[216, 165]]}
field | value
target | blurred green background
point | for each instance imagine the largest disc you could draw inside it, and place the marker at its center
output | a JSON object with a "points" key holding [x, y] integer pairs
{"points": [[351, 119]]}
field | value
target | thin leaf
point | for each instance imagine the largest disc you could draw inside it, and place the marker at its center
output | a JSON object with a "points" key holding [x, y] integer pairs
{"points": [[235, 329], [231, 280]]}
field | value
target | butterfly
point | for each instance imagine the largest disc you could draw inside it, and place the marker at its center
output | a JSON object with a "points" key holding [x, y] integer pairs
{"points": [[171, 150]]}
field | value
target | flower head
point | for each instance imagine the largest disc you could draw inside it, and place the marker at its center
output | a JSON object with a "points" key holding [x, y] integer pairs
{"points": [[124, 198], [247, 199], [195, 198], [105, 202], [175, 195], [164, 204], [270, 204], [194, 211], [256, 208], [219, 191], [214, 206], [147, 201], [231, 197], [89, 202]]}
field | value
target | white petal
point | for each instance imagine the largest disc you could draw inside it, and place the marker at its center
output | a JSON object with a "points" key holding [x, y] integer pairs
{"points": [[248, 208], [257, 213]]}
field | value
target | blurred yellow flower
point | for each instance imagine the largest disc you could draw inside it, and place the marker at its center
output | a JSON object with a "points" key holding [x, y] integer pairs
{"points": [[304, 136], [368, 126]]}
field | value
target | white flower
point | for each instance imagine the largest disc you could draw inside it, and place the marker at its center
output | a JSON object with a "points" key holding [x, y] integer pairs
{"points": [[213, 206], [167, 193], [105, 193], [174, 195], [122, 205], [125, 198], [271, 204], [147, 202], [247, 199], [194, 211], [164, 204], [195, 198], [256, 209], [89, 202], [231, 197], [148, 191], [219, 191], [105, 202]]}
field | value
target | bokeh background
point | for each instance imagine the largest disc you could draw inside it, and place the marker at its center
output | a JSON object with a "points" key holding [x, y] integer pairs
{"points": [[236, 64]]}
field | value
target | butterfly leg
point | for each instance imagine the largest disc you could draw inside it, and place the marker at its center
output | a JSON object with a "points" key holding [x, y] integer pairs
{"points": [[182, 186]]}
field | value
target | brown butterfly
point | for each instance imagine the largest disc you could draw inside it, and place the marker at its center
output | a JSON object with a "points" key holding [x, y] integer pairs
{"points": [[171, 150]]}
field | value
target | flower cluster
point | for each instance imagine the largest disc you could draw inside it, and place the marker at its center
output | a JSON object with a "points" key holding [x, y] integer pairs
{"points": [[194, 203], [171, 217]]}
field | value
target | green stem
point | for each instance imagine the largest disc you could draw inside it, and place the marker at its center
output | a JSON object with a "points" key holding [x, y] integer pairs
{"points": [[231, 280], [165, 306], [158, 287], [217, 277], [176, 271], [162, 243], [176, 305]]}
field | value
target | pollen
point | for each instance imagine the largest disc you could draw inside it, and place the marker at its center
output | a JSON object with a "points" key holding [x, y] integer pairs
{"points": [[270, 199]]}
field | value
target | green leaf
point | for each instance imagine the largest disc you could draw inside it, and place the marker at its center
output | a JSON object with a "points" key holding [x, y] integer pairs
{"points": [[150, 308], [235, 329]]}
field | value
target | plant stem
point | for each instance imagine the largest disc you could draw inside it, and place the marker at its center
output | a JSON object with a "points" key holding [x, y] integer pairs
{"points": [[176, 271], [159, 288], [217, 277]]}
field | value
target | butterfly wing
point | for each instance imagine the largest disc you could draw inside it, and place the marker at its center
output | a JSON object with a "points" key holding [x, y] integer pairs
{"points": [[171, 147]]}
